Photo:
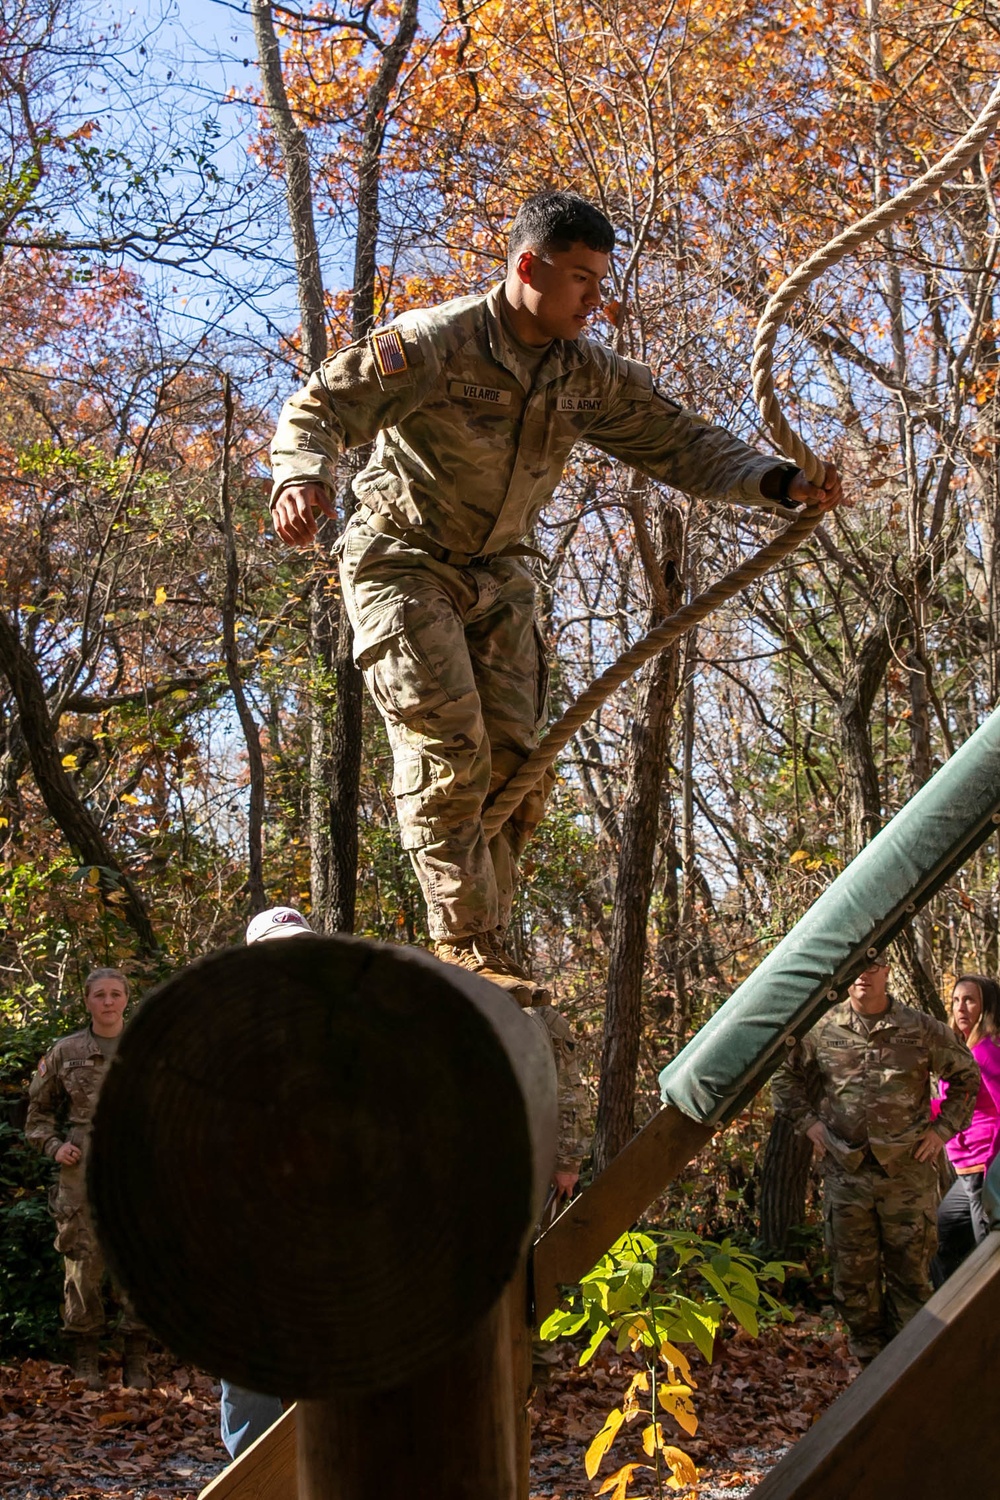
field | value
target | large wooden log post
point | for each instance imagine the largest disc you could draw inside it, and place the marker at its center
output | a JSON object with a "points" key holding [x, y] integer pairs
{"points": [[316, 1168]]}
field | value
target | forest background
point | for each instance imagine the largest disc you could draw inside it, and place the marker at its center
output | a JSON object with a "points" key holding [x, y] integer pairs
{"points": [[183, 738]]}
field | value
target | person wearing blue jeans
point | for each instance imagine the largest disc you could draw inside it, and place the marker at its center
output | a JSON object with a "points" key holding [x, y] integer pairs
{"points": [[246, 1415]]}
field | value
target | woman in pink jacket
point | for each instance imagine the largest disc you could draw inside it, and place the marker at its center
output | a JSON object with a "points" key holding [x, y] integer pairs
{"points": [[975, 1015]]}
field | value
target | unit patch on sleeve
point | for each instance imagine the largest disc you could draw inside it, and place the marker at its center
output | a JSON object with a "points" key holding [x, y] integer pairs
{"points": [[390, 356], [580, 403], [469, 391]]}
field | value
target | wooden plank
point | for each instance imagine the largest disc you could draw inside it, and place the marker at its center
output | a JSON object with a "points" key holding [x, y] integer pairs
{"points": [[266, 1471], [921, 1418], [516, 1303], [602, 1213]]}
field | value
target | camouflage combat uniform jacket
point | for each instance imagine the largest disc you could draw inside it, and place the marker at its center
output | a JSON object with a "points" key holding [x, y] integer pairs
{"points": [[63, 1094], [875, 1086], [62, 1100], [471, 442]]}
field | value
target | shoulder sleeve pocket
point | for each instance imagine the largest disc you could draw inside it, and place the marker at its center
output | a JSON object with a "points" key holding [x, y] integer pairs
{"points": [[637, 379]]}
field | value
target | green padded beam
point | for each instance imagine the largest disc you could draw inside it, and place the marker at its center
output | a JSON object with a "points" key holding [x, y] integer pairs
{"points": [[737, 1050]]}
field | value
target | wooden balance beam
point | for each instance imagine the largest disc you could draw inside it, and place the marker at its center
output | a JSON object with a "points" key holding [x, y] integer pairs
{"points": [[316, 1168]]}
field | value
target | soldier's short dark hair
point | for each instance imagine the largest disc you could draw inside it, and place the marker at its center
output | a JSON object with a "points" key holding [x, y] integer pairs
{"points": [[555, 221]]}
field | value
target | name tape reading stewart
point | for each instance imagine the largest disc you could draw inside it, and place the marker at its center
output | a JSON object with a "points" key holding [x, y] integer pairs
{"points": [[472, 392]]}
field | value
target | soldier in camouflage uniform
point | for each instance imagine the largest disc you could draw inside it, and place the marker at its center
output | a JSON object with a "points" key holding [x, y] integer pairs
{"points": [[474, 408], [62, 1099], [572, 1142], [868, 1064]]}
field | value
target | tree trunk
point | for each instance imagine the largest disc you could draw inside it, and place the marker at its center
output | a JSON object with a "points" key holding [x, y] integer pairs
{"points": [[298, 187], [633, 888], [861, 784], [60, 796], [335, 761], [784, 1180], [346, 735], [336, 711], [248, 724], [686, 903]]}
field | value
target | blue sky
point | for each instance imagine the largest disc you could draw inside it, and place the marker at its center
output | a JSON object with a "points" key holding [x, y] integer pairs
{"points": [[195, 52], [216, 35]]}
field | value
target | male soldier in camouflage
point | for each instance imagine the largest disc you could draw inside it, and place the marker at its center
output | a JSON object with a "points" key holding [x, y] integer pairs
{"points": [[859, 1086], [474, 407], [62, 1100], [572, 1143]]}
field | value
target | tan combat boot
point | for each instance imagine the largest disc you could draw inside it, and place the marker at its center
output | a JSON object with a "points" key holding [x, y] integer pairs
{"points": [[484, 954], [86, 1349], [135, 1365], [478, 956], [540, 993]]}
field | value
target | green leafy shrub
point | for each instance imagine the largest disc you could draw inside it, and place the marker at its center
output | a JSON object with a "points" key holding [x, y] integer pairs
{"points": [[644, 1295], [30, 1268]]}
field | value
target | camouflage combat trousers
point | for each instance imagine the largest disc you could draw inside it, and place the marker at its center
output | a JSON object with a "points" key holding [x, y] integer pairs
{"points": [[454, 662], [881, 1233], [85, 1272]]}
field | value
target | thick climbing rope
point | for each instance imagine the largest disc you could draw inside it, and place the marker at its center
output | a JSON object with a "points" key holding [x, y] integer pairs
{"points": [[789, 442]]}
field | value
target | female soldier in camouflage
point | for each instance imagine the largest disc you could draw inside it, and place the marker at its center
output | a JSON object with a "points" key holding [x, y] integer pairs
{"points": [[62, 1100]]}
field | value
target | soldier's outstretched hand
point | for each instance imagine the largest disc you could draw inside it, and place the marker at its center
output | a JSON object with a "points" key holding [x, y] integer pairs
{"points": [[295, 512], [827, 496]]}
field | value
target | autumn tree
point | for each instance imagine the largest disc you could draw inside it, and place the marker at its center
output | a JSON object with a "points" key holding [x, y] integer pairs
{"points": [[347, 99]]}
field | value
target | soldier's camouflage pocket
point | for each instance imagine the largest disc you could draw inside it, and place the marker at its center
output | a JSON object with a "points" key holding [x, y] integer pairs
{"points": [[68, 1193], [73, 1236], [396, 670]]}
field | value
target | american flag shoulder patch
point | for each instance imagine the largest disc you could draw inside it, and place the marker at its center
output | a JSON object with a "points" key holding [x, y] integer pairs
{"points": [[390, 356]]}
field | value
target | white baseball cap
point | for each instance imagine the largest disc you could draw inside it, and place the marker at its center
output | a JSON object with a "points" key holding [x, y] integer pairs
{"points": [[277, 922]]}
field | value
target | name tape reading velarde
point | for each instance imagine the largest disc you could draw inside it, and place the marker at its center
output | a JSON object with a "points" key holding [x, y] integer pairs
{"points": [[470, 391]]}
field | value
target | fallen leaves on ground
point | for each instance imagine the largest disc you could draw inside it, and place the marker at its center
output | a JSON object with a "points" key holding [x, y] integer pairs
{"points": [[59, 1441], [753, 1402]]}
